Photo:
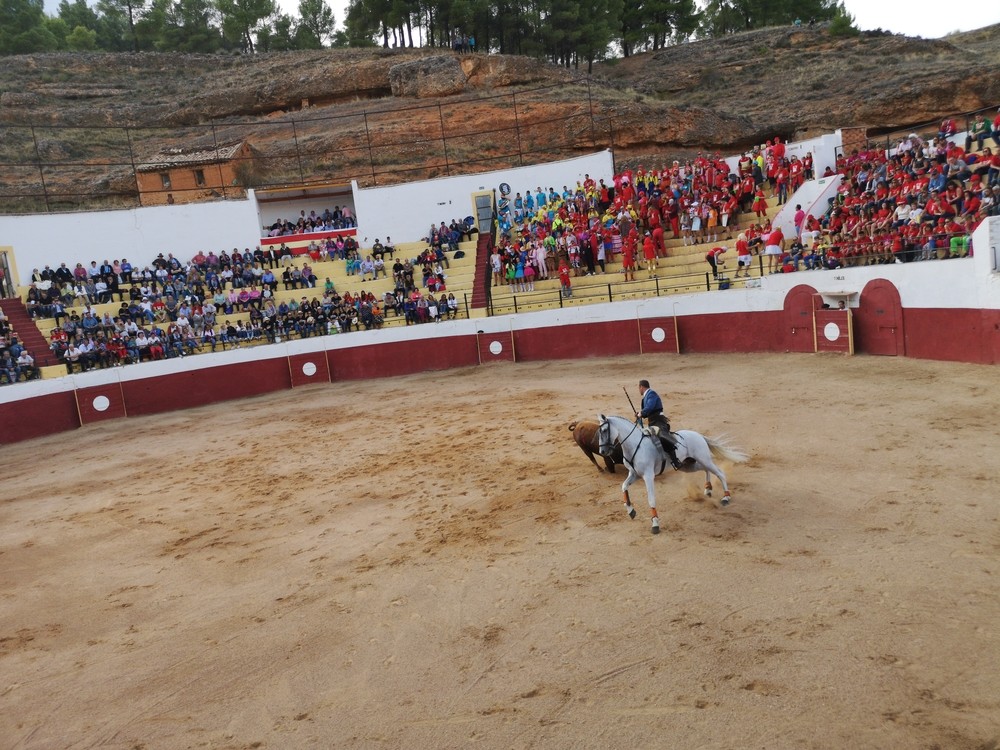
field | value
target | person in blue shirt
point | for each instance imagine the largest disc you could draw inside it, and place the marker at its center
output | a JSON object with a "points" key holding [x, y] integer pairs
{"points": [[651, 409], [938, 181]]}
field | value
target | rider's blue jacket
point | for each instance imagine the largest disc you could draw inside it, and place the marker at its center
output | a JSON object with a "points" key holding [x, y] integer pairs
{"points": [[651, 404]]}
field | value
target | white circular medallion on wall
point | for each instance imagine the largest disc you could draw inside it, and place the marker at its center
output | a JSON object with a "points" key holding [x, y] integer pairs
{"points": [[495, 348], [309, 369], [658, 335], [101, 403], [831, 331]]}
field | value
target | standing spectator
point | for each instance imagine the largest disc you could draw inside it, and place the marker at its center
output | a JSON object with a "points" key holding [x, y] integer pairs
{"points": [[649, 253], [628, 255], [743, 256], [773, 248], [800, 217], [564, 282], [713, 257]]}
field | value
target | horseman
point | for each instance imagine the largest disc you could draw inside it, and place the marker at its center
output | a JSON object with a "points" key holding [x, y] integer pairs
{"points": [[652, 409]]}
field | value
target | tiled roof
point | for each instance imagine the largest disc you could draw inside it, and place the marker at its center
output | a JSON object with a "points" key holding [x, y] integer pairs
{"points": [[176, 157]]}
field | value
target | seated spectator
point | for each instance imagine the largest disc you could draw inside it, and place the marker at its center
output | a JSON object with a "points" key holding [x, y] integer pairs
{"points": [[811, 259], [367, 268], [9, 368], [71, 357], [979, 131]]}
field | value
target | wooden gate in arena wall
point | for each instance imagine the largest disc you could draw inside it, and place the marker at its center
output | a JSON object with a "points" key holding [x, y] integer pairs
{"points": [[798, 319], [878, 320]]}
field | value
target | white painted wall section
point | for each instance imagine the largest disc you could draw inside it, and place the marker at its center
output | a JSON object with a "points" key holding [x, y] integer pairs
{"points": [[138, 234], [406, 212]]}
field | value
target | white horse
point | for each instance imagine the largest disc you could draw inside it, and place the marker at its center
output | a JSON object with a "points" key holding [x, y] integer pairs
{"points": [[645, 457]]}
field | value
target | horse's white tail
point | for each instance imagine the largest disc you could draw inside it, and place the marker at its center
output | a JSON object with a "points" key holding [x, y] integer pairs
{"points": [[721, 447]]}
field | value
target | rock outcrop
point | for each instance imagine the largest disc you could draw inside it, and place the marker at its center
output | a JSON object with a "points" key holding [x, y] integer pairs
{"points": [[430, 77]]}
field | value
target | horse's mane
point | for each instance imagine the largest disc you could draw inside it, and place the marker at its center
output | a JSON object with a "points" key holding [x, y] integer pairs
{"points": [[609, 417]]}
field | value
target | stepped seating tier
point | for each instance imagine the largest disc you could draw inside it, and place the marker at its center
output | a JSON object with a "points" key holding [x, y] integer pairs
{"points": [[299, 242], [683, 269], [459, 277]]}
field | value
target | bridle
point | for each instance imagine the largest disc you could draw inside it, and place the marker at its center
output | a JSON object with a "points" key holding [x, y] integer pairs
{"points": [[606, 428]]}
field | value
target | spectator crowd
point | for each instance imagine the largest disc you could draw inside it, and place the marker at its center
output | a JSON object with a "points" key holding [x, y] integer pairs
{"points": [[173, 308]]}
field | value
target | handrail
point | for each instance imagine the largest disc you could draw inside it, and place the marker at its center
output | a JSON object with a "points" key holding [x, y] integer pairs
{"points": [[657, 286]]}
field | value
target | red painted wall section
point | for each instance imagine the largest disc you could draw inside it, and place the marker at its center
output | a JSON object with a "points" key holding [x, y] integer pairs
{"points": [[961, 335], [38, 417], [496, 347], [188, 389], [100, 403], [991, 333], [402, 358], [953, 335], [570, 342], [734, 332], [307, 369], [837, 324], [658, 336]]}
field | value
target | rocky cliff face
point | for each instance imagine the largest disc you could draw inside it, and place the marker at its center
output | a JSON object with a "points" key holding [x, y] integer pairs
{"points": [[799, 80], [717, 94]]}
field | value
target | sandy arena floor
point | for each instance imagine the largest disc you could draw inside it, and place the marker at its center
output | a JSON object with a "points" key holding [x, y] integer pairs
{"points": [[431, 562]]}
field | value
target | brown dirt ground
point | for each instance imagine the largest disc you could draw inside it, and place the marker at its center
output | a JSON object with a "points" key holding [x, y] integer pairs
{"points": [[430, 562]]}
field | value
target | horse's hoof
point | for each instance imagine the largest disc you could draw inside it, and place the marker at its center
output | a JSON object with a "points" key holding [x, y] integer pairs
{"points": [[725, 501], [655, 529], [631, 512]]}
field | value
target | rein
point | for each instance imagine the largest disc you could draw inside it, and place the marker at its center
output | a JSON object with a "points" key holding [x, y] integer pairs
{"points": [[622, 441]]}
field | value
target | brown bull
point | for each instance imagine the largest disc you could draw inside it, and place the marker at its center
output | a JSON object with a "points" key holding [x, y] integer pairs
{"points": [[585, 434]]}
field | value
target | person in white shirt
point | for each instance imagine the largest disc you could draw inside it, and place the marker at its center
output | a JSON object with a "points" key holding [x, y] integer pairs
{"points": [[902, 215]]}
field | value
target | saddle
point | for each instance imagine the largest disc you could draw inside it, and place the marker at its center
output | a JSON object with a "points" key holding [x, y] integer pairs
{"points": [[667, 444]]}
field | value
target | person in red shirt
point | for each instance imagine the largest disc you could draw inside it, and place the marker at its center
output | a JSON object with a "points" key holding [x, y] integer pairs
{"points": [[747, 188], [714, 258], [649, 253], [996, 129], [745, 166], [781, 178], [795, 176], [833, 257], [774, 245], [655, 225], [971, 205], [993, 173], [778, 149], [948, 128], [743, 256], [628, 254], [565, 284]]}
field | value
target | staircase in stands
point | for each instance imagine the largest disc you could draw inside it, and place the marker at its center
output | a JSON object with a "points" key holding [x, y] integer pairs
{"points": [[27, 332], [484, 247]]}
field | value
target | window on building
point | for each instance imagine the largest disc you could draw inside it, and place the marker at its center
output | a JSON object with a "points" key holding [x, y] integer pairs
{"points": [[165, 180], [199, 177]]}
